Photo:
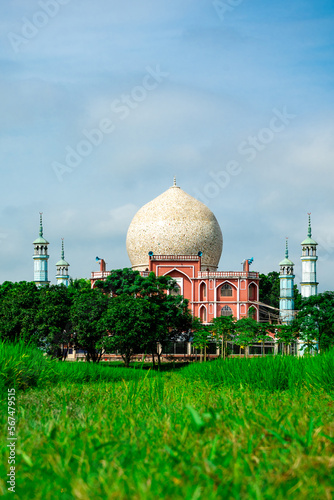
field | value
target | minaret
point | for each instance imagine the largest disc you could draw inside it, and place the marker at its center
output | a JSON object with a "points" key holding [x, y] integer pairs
{"points": [[309, 285], [62, 268], [286, 300], [41, 257]]}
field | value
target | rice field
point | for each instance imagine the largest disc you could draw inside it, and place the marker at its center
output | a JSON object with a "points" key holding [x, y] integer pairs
{"points": [[258, 428]]}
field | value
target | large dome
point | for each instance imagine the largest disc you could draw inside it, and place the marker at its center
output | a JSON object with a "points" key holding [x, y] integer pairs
{"points": [[174, 223]]}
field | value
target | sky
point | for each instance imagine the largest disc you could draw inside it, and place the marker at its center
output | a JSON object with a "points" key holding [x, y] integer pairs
{"points": [[103, 102]]}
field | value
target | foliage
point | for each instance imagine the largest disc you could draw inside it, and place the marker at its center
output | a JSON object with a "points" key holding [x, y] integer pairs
{"points": [[160, 319], [201, 336], [19, 303], [87, 311], [246, 330], [316, 320], [223, 330], [269, 292], [286, 335], [262, 334], [121, 281], [53, 319], [269, 289], [79, 284], [129, 321]]}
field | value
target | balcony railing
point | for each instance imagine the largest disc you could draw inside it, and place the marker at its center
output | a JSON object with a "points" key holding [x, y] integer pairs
{"points": [[175, 257], [227, 274], [99, 275]]}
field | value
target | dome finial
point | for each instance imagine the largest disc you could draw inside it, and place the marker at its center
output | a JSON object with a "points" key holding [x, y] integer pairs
{"points": [[41, 223], [309, 232], [62, 249], [286, 248], [174, 180]]}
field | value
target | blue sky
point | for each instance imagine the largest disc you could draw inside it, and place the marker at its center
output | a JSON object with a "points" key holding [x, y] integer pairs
{"points": [[235, 98]]}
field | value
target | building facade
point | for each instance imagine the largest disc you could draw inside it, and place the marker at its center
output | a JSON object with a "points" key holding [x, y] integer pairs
{"points": [[178, 236]]}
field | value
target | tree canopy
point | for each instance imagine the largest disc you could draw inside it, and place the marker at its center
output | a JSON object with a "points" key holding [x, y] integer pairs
{"points": [[316, 319]]}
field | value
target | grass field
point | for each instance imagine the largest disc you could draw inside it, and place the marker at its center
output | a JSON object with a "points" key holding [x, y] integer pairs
{"points": [[215, 430]]}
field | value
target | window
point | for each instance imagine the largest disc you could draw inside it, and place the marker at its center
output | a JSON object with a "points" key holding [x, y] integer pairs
{"points": [[176, 290], [203, 315], [226, 311], [202, 291], [252, 291], [226, 290]]}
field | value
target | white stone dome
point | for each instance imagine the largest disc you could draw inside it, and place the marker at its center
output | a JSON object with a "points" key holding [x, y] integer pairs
{"points": [[174, 223]]}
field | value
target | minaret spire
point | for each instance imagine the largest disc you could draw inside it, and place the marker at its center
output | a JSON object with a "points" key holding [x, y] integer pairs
{"points": [[309, 232], [309, 284], [62, 268], [41, 224], [41, 256], [286, 279]]}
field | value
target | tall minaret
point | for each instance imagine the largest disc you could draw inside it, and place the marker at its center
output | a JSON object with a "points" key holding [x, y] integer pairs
{"points": [[41, 257], [309, 285], [62, 268], [286, 300]]}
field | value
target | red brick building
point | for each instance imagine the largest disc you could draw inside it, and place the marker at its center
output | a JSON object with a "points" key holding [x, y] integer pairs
{"points": [[178, 236]]}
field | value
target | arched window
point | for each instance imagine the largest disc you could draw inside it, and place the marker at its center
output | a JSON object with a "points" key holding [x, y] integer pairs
{"points": [[202, 292], [226, 290], [176, 290], [203, 314], [226, 311], [252, 291], [252, 312]]}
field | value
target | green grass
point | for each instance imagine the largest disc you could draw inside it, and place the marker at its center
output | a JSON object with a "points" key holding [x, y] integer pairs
{"points": [[188, 434], [24, 366], [273, 373]]}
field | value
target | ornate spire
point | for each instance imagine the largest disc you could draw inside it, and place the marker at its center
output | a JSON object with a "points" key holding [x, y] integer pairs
{"points": [[41, 224], [62, 249], [174, 180], [309, 232], [286, 249]]}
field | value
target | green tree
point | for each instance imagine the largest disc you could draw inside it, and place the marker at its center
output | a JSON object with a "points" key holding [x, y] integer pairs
{"points": [[286, 335], [223, 329], [19, 304], [262, 335], [309, 335], [53, 319], [321, 309], [79, 284], [246, 330], [269, 289], [170, 316], [87, 311], [201, 337], [122, 281], [129, 320]]}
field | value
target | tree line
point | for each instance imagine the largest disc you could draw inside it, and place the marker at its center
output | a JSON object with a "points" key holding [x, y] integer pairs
{"points": [[127, 313], [132, 314]]}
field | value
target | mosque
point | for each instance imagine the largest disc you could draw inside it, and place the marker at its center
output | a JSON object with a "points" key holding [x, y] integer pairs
{"points": [[178, 236]]}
